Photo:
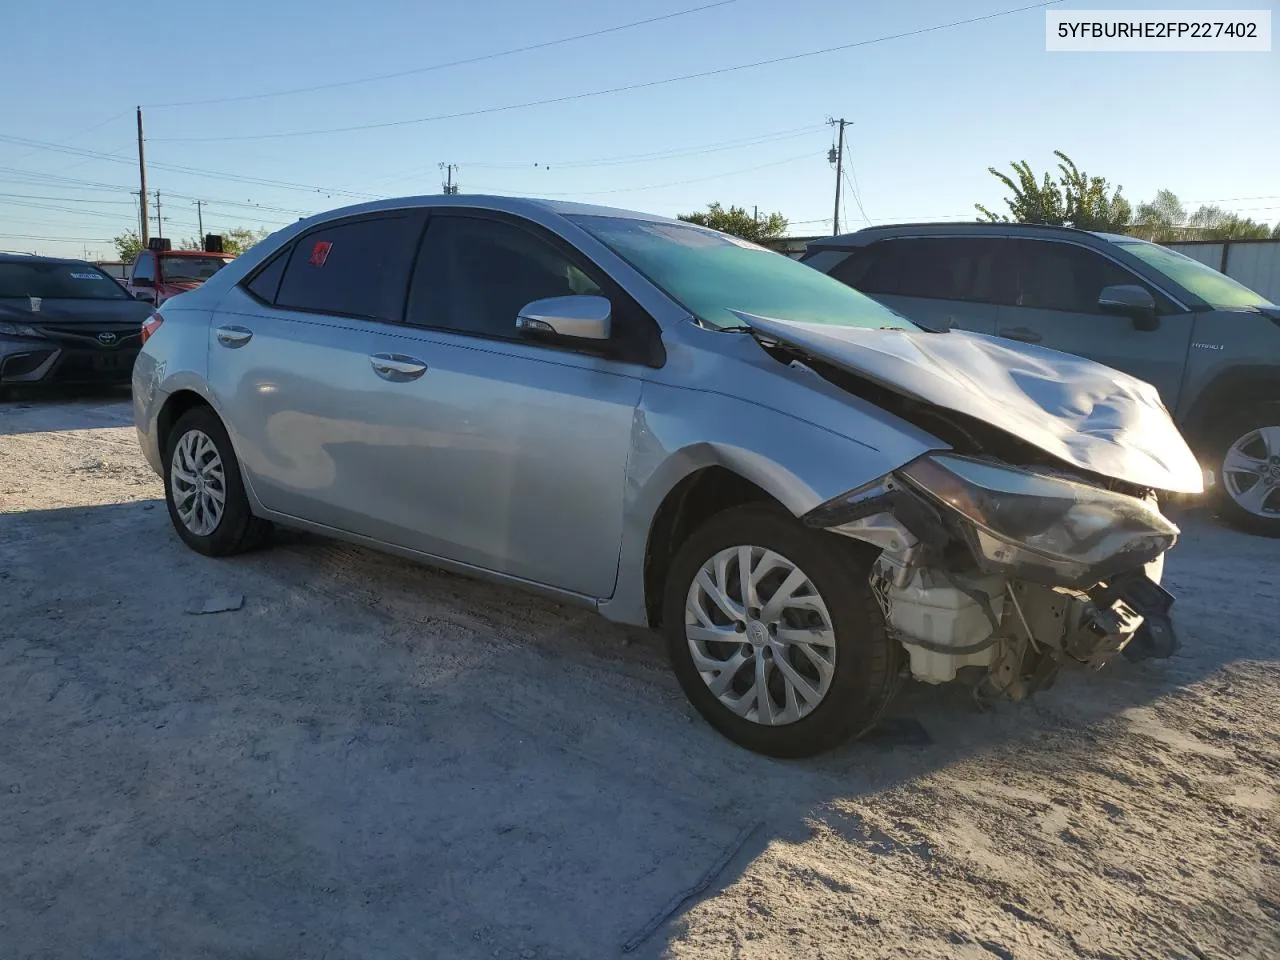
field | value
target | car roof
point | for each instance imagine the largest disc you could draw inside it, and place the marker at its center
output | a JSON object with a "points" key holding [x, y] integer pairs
{"points": [[861, 238], [520, 206], [36, 258]]}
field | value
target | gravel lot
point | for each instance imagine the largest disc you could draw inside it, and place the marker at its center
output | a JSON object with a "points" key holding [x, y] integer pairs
{"points": [[373, 759]]}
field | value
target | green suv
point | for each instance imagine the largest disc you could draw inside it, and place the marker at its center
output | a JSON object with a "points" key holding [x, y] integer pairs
{"points": [[1210, 345]]}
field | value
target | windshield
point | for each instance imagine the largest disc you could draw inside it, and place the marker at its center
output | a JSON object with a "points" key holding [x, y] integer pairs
{"points": [[181, 269], [711, 275], [58, 281], [1214, 288]]}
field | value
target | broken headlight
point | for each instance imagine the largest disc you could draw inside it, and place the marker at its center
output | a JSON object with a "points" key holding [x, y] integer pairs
{"points": [[1036, 526]]}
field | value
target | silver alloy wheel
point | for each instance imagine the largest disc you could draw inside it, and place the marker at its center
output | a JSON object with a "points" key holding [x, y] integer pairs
{"points": [[197, 483], [760, 635], [1251, 472]]}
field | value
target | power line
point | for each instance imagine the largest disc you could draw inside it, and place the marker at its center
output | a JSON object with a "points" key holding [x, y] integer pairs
{"points": [[658, 186], [177, 168], [451, 63], [719, 71], [25, 196], [26, 236], [77, 136], [673, 154]]}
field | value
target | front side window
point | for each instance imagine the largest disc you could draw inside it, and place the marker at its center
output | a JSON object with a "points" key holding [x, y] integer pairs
{"points": [[177, 269], [712, 275], [474, 275], [1214, 288], [58, 281], [1064, 276], [144, 267], [356, 268]]}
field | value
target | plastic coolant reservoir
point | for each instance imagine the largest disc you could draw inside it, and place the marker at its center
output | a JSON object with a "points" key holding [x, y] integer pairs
{"points": [[931, 608]]}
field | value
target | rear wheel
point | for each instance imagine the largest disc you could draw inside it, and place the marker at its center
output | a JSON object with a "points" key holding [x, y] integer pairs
{"points": [[1246, 459], [203, 489], [774, 634]]}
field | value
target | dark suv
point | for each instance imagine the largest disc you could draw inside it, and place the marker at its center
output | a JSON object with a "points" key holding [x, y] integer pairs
{"points": [[1209, 344]]}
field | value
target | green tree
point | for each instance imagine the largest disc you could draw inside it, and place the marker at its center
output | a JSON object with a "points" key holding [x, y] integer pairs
{"points": [[128, 244], [1075, 199], [1161, 219], [739, 223], [1275, 232], [234, 241], [1214, 223]]}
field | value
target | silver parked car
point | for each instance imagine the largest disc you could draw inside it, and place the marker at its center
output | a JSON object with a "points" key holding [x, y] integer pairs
{"points": [[809, 495]]}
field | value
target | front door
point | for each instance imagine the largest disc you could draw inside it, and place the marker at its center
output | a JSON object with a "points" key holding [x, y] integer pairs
{"points": [[505, 453], [1057, 307]]}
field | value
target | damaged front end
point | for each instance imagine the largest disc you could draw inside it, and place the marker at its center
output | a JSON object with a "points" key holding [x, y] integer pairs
{"points": [[999, 575]]}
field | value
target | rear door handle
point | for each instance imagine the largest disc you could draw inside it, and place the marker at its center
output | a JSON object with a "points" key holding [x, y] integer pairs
{"points": [[234, 336], [397, 367], [1025, 334]]}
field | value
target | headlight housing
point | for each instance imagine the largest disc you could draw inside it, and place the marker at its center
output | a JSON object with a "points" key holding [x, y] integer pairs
{"points": [[1040, 527], [18, 330]]}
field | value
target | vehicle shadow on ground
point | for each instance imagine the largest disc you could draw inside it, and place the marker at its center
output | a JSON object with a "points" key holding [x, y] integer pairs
{"points": [[365, 736], [54, 409]]}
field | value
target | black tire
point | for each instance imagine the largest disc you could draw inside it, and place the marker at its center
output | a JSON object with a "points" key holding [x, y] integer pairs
{"points": [[237, 530], [868, 664], [1233, 429]]}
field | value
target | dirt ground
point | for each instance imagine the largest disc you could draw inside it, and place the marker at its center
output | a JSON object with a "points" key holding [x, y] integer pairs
{"points": [[372, 759]]}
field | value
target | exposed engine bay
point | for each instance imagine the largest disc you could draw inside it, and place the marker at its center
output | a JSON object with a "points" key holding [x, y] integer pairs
{"points": [[1008, 556], [959, 617]]}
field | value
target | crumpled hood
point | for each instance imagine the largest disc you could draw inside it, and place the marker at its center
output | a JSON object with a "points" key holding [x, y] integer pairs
{"points": [[1085, 414]]}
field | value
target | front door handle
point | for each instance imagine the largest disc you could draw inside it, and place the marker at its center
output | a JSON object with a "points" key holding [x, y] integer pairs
{"points": [[1025, 334], [396, 367], [234, 336]]}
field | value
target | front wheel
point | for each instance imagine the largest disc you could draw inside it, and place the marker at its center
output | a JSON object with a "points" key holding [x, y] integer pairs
{"points": [[774, 634], [1247, 462]]}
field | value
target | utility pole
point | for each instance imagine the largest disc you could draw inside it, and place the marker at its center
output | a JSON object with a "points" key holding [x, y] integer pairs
{"points": [[200, 218], [450, 188], [159, 224], [142, 180], [836, 156]]}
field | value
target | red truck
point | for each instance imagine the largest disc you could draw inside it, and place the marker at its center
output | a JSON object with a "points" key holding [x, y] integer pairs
{"points": [[160, 272]]}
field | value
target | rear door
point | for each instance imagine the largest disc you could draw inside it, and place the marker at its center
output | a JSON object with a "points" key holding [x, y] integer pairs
{"points": [[500, 451], [289, 365], [1057, 306], [940, 282]]}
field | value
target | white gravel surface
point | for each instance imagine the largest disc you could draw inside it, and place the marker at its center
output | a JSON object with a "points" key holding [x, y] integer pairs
{"points": [[373, 759]]}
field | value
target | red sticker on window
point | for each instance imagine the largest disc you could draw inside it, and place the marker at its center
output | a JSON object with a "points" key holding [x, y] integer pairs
{"points": [[320, 252]]}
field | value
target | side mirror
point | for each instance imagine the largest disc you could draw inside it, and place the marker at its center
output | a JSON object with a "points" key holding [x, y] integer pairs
{"points": [[1130, 300], [147, 295], [569, 318], [142, 282]]}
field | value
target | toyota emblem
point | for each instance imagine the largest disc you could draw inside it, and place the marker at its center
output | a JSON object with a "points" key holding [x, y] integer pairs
{"points": [[106, 337]]}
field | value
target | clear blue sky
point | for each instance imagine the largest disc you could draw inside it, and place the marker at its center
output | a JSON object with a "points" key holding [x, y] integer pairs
{"points": [[930, 113]]}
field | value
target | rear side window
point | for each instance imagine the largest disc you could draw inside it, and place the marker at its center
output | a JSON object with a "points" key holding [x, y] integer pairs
{"points": [[356, 268], [969, 269], [266, 282]]}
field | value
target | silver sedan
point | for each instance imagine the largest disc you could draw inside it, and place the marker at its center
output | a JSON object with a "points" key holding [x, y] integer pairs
{"points": [[810, 496]]}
